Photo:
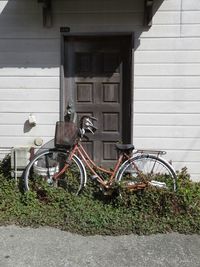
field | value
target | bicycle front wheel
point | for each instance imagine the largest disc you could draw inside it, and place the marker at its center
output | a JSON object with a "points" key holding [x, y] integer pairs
{"points": [[155, 171], [42, 168]]}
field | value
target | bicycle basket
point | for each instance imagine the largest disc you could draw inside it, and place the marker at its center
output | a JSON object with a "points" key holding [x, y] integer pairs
{"points": [[65, 134]]}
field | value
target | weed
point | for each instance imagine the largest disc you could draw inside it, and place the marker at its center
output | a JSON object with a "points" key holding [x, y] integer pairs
{"points": [[143, 212]]}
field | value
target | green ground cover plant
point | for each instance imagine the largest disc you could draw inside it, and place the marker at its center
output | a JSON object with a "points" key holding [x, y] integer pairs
{"points": [[144, 212]]}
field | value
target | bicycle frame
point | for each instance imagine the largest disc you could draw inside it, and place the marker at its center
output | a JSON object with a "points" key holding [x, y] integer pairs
{"points": [[80, 151]]}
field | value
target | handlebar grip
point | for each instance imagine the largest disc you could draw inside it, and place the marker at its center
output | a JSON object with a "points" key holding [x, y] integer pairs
{"points": [[94, 127]]}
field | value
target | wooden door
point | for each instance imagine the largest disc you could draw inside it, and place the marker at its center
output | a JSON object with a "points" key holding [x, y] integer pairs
{"points": [[97, 80]]}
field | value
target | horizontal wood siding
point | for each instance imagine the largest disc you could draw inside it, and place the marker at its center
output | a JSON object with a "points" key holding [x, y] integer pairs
{"points": [[167, 84], [29, 74], [166, 70]]}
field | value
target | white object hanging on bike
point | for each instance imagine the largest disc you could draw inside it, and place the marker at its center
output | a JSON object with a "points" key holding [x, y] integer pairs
{"points": [[158, 184]]}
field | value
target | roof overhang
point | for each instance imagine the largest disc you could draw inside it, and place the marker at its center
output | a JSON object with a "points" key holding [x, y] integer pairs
{"points": [[148, 12], [48, 19], [47, 12]]}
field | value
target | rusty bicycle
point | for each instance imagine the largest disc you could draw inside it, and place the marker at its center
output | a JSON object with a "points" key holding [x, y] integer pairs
{"points": [[68, 164]]}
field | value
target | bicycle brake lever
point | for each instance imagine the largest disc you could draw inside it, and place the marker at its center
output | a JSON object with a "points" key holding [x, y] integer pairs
{"points": [[93, 118], [88, 122], [94, 127], [89, 128]]}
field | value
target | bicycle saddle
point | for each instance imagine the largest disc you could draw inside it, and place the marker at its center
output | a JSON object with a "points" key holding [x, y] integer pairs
{"points": [[124, 147]]}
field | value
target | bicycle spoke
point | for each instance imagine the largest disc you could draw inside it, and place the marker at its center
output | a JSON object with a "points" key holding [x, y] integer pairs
{"points": [[44, 168], [148, 169]]}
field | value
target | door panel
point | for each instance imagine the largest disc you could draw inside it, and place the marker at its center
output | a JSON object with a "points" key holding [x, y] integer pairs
{"points": [[96, 73]]}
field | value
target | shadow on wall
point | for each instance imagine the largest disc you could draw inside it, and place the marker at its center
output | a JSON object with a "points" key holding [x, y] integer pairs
{"points": [[26, 43], [148, 18], [29, 54]]}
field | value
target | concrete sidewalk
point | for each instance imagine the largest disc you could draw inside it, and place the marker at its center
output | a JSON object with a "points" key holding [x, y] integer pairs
{"points": [[48, 247]]}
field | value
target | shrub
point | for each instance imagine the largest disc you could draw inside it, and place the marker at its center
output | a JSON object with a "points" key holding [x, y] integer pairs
{"points": [[143, 212]]}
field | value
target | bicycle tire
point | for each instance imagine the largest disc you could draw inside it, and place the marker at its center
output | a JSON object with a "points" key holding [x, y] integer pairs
{"points": [[156, 170], [46, 163]]}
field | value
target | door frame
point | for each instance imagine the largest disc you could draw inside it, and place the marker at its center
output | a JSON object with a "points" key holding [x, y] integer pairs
{"points": [[130, 63]]}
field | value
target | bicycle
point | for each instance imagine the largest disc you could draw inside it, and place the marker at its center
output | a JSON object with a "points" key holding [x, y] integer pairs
{"points": [[66, 164]]}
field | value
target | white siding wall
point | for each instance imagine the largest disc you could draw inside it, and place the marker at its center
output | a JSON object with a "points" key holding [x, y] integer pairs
{"points": [[166, 70], [167, 84], [29, 74]]}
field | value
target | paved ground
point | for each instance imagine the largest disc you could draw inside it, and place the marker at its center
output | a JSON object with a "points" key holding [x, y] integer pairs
{"points": [[26, 247]]}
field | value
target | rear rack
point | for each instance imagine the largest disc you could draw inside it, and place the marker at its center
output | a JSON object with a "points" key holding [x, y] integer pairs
{"points": [[151, 151]]}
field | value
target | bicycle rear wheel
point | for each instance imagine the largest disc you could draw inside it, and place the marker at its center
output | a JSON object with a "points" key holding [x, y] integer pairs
{"points": [[155, 171], [41, 169]]}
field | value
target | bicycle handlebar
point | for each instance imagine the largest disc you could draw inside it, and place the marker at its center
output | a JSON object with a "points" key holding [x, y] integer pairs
{"points": [[86, 117], [87, 124]]}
